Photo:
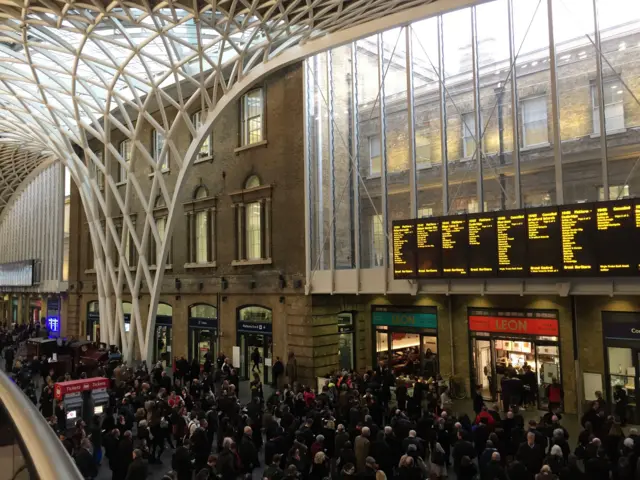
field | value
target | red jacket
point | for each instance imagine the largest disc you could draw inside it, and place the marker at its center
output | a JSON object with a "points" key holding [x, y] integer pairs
{"points": [[487, 416]]}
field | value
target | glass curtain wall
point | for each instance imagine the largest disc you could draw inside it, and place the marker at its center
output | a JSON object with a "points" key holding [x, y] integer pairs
{"points": [[480, 109]]}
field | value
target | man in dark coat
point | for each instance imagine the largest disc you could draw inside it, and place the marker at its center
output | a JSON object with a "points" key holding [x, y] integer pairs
{"points": [[248, 453], [124, 456], [138, 468], [462, 448], [531, 454], [494, 470], [181, 461]]}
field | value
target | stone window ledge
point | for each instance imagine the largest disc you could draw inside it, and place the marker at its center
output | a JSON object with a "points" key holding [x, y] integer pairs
{"points": [[259, 261], [155, 267], [617, 131], [203, 159], [189, 266], [252, 145], [537, 146], [90, 271]]}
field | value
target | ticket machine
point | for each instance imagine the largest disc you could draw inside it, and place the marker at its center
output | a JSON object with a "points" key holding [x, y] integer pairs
{"points": [[77, 403]]}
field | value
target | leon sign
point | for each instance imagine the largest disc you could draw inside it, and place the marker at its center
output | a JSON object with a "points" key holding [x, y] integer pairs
{"points": [[514, 325]]}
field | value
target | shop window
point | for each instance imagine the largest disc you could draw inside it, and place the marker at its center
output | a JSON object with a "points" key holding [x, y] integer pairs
{"points": [[378, 239], [160, 213], [201, 222], [616, 192], [253, 213], [125, 153], [612, 91], [206, 150], [534, 121], [375, 156], [158, 141], [423, 150], [252, 124]]}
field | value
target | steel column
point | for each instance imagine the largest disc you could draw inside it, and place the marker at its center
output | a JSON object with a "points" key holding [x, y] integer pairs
{"points": [[443, 120], [555, 108], [601, 111], [515, 109], [411, 116], [476, 109]]}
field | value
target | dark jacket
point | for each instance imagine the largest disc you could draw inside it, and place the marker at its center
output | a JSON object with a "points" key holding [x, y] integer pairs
{"points": [[137, 470], [181, 463], [86, 464], [531, 457], [248, 454]]}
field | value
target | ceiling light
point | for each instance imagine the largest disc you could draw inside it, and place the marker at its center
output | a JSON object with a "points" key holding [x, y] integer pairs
{"points": [[564, 57], [619, 92], [525, 65], [613, 87], [533, 64]]}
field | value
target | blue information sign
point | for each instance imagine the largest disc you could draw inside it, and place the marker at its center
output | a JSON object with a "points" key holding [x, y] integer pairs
{"points": [[210, 323], [254, 327]]}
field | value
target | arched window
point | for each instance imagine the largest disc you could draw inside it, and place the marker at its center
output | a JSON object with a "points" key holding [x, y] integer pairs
{"points": [[253, 205], [252, 182], [201, 227], [203, 310], [253, 223], [255, 314], [165, 310]]}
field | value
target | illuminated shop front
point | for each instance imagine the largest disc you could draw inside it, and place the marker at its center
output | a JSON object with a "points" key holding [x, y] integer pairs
{"points": [[203, 332], [511, 341], [406, 339]]}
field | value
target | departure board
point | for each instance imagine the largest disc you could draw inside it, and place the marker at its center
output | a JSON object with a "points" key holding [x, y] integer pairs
{"points": [[614, 221], [588, 239], [511, 232], [404, 252], [429, 248], [578, 223], [454, 246], [544, 243], [482, 253]]}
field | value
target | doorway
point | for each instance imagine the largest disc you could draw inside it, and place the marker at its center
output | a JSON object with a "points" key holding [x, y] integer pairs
{"points": [[163, 338], [624, 368], [256, 356], [93, 321], [202, 341]]}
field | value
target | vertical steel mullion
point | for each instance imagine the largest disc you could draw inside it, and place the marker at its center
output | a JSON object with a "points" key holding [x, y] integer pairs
{"points": [[476, 109], [308, 214], [355, 158], [515, 109], [600, 95], [411, 131], [555, 109], [332, 183], [383, 157], [443, 120], [319, 173]]}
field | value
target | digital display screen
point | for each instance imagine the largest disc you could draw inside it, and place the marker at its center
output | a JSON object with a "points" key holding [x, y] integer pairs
{"points": [[543, 241], [98, 410], [72, 414], [511, 231], [597, 239], [578, 226], [483, 256], [404, 253], [429, 248], [454, 246]]}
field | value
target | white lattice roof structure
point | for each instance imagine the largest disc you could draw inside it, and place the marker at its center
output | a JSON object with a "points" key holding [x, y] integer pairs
{"points": [[71, 72]]}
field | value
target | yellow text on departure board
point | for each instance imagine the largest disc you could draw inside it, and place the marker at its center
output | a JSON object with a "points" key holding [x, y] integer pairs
{"points": [[505, 227], [573, 225], [538, 226]]}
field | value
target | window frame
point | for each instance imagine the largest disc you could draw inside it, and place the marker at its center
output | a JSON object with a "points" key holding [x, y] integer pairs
{"points": [[523, 103], [429, 162], [595, 108], [245, 132], [166, 166], [123, 171], [624, 188], [375, 140], [377, 237], [259, 199], [472, 133], [196, 119], [206, 205]]}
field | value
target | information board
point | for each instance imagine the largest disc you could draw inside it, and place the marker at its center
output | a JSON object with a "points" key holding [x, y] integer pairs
{"points": [[594, 239]]}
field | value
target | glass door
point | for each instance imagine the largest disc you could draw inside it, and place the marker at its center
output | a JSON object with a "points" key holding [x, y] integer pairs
{"points": [[203, 341], [623, 378], [547, 369], [484, 368], [163, 345]]}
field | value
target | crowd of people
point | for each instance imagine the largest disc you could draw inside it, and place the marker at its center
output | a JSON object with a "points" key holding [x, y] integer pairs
{"points": [[357, 426]]}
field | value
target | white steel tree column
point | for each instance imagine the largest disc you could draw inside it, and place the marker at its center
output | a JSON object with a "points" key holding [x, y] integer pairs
{"points": [[72, 73]]}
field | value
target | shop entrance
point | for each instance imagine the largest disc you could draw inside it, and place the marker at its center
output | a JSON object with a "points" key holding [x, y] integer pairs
{"points": [[256, 343], [203, 332], [346, 342], [514, 368], [93, 321], [163, 335]]}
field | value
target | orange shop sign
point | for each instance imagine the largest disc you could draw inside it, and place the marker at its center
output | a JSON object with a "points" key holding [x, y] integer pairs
{"points": [[517, 325]]}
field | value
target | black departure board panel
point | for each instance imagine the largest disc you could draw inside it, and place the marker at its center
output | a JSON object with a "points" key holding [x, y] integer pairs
{"points": [[614, 221], [544, 241], [404, 253], [454, 246], [578, 224], [482, 254], [588, 239], [429, 248], [511, 232]]}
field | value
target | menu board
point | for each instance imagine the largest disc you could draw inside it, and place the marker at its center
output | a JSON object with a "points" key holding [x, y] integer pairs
{"points": [[404, 253], [578, 224], [511, 232], [483, 257], [614, 221], [599, 239], [543, 241], [454, 246], [429, 248]]}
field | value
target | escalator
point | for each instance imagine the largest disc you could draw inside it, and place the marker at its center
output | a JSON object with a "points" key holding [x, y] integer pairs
{"points": [[29, 448]]}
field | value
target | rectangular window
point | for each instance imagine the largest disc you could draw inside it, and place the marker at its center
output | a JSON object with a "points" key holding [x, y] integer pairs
{"points": [[125, 153], [377, 241], [206, 150], [158, 145], [534, 121], [468, 135], [472, 206], [253, 231], [423, 150], [161, 225], [613, 106], [616, 192], [202, 236], [252, 121], [375, 157], [97, 172]]}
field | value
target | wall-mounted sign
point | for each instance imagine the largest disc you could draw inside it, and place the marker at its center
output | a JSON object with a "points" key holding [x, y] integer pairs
{"points": [[210, 323], [53, 325], [527, 322], [250, 327], [17, 274], [416, 317], [621, 325], [164, 320]]}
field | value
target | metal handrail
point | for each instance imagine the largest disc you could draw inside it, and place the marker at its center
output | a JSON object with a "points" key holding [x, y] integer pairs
{"points": [[48, 457]]}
